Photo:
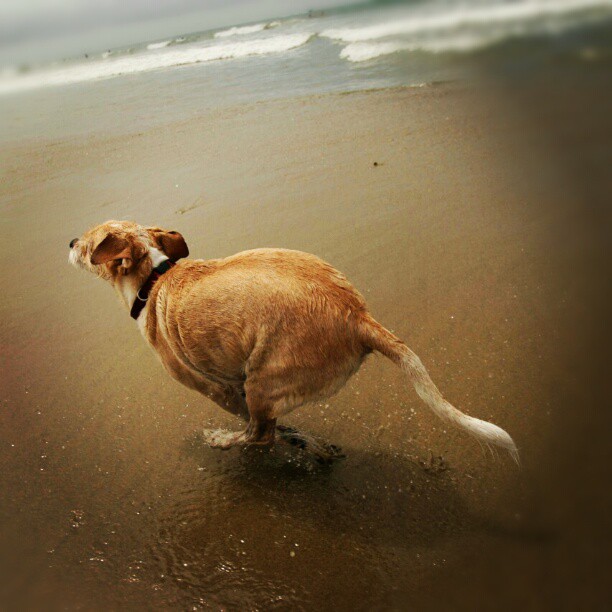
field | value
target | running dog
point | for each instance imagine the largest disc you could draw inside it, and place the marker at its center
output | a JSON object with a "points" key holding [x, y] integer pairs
{"points": [[260, 333]]}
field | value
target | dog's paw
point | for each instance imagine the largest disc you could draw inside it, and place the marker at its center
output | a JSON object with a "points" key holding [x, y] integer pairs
{"points": [[220, 438], [322, 452]]}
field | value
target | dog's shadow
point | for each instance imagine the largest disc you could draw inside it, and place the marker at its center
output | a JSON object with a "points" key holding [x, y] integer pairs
{"points": [[258, 502], [389, 494], [250, 511]]}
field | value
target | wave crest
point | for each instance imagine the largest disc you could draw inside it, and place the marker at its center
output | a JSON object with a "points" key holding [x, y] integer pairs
{"points": [[250, 29], [464, 16], [174, 56], [159, 45], [365, 51]]}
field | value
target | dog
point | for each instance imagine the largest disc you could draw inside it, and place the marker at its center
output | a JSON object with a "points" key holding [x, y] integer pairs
{"points": [[260, 333]]}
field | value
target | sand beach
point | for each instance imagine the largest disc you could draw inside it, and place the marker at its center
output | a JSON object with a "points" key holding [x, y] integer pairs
{"points": [[472, 217]]}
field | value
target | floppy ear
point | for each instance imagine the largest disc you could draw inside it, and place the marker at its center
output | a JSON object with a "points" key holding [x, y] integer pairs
{"points": [[173, 245], [113, 248]]}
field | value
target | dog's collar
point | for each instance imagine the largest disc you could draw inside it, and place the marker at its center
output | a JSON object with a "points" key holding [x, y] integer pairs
{"points": [[143, 293]]}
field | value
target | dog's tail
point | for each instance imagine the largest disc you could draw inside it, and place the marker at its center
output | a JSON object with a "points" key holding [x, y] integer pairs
{"points": [[377, 338]]}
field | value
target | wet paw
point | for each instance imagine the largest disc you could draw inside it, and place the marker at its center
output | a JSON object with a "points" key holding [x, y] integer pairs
{"points": [[219, 438], [322, 452]]}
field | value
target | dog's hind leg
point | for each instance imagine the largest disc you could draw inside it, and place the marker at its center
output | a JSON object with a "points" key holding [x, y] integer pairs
{"points": [[260, 429], [323, 452], [258, 433], [230, 399]]}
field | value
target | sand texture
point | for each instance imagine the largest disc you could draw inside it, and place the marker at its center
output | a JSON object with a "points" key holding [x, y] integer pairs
{"points": [[472, 221]]}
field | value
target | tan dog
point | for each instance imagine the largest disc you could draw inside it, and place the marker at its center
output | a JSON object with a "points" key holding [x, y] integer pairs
{"points": [[260, 333]]}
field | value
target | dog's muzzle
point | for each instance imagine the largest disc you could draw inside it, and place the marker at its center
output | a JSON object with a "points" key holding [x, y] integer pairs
{"points": [[73, 242]]}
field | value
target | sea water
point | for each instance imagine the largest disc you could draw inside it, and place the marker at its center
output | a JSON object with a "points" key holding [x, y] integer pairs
{"points": [[365, 47]]}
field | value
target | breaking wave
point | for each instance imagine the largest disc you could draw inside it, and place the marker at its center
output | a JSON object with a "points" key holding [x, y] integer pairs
{"points": [[159, 45], [465, 16], [250, 29], [131, 64], [436, 27], [365, 51]]}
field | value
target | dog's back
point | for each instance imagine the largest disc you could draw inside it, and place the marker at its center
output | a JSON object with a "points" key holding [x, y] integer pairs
{"points": [[283, 318]]}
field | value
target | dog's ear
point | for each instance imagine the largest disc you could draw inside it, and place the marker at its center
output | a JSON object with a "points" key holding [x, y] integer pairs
{"points": [[172, 244], [113, 248]]}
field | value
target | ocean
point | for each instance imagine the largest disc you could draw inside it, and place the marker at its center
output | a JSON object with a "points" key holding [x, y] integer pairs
{"points": [[355, 48]]}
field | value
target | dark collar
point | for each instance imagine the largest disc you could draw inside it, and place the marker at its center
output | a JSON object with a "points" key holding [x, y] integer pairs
{"points": [[143, 293]]}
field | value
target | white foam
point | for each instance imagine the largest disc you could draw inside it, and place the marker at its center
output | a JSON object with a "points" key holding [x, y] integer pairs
{"points": [[250, 29], [159, 45], [174, 56], [365, 51], [462, 16], [8, 72]]}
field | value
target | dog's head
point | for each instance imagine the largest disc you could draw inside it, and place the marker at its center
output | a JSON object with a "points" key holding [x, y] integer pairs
{"points": [[117, 249]]}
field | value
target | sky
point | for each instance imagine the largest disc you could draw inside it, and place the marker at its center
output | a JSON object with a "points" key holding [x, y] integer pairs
{"points": [[42, 30]]}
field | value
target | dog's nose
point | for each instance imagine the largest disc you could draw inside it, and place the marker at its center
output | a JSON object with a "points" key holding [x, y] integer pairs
{"points": [[73, 242]]}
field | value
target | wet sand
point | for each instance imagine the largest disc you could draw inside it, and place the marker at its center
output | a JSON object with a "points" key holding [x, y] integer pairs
{"points": [[475, 236]]}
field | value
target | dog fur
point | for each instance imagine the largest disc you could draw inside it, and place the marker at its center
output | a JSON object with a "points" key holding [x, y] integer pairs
{"points": [[260, 333]]}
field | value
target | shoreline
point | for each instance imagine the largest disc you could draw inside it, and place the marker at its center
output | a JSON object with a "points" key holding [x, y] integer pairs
{"points": [[232, 107]]}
